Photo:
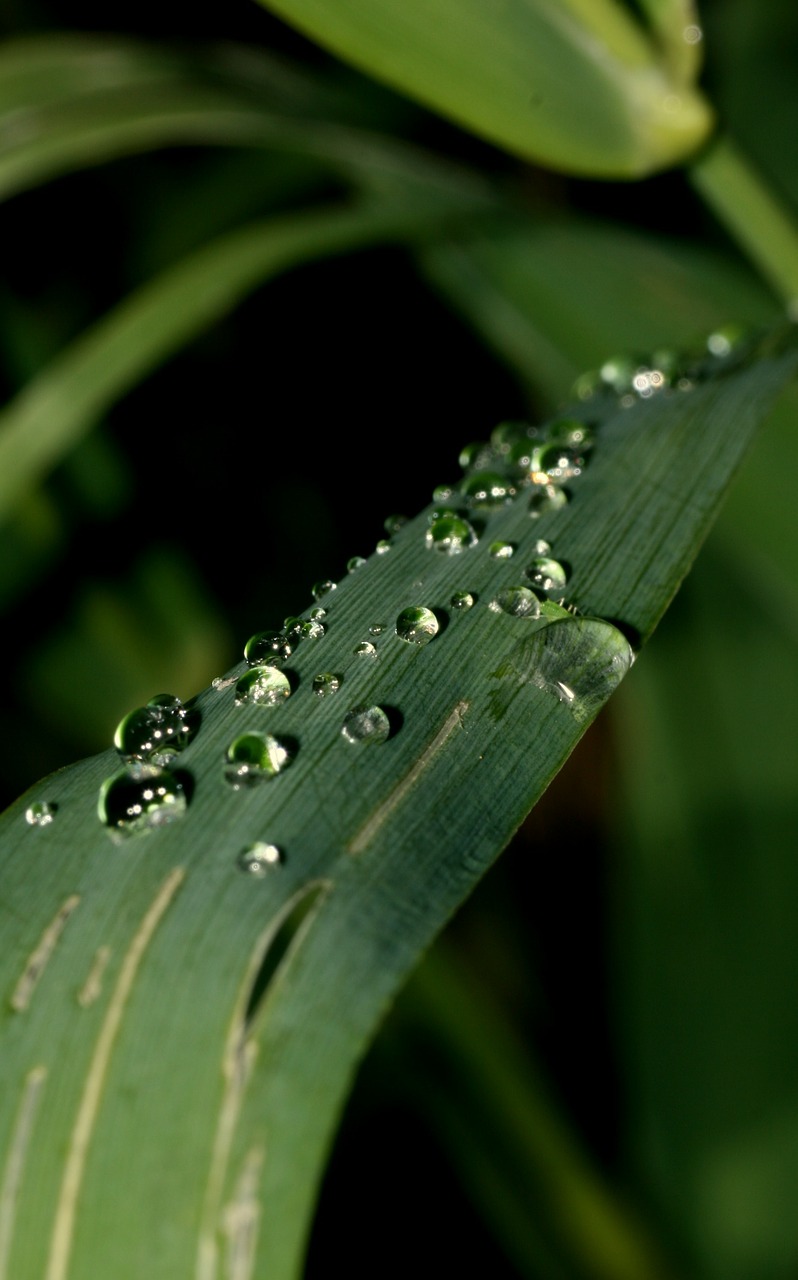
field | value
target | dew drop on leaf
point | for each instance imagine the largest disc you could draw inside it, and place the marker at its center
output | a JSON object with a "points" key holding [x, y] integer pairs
{"points": [[450, 534], [365, 725], [546, 574], [141, 798], [262, 686], [501, 550], [254, 757], [417, 625], [259, 859], [365, 649], [325, 683], [519, 602], [41, 813], [154, 733], [462, 600]]}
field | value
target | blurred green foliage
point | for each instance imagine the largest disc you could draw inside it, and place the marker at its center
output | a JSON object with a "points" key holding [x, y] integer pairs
{"points": [[638, 942]]}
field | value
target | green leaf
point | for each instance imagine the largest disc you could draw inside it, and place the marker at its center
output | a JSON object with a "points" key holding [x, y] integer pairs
{"points": [[197, 1027], [572, 85]]}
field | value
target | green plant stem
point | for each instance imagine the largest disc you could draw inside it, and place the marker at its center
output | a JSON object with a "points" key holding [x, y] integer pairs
{"points": [[756, 219]]}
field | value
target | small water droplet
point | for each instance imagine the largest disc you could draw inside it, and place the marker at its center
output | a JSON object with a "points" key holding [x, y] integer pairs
{"points": [[254, 757], [311, 629], [546, 499], [572, 433], [377, 628], [292, 627], [382, 546], [318, 613], [325, 683], [259, 859], [323, 588], [501, 550], [450, 534], [154, 733], [442, 493], [487, 489], [417, 625], [546, 574], [508, 435], [393, 524], [267, 646], [541, 547], [222, 682], [365, 649], [366, 724], [263, 686], [355, 563], [462, 600], [140, 798], [618, 372], [519, 602], [723, 341], [552, 464], [41, 813], [478, 454]]}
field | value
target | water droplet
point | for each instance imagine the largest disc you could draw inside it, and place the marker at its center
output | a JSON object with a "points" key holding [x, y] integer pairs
{"points": [[501, 550], [442, 493], [478, 454], [311, 629], [508, 435], [292, 627], [321, 589], [267, 646], [541, 547], [723, 341], [519, 602], [325, 683], [552, 464], [546, 499], [417, 625], [580, 660], [546, 574], [618, 372], [366, 724], [355, 563], [365, 649], [487, 489], [259, 859], [154, 733], [222, 682], [41, 813], [253, 758], [141, 798], [462, 600], [377, 628], [264, 686], [393, 524], [318, 613], [572, 433], [382, 546], [450, 534]]}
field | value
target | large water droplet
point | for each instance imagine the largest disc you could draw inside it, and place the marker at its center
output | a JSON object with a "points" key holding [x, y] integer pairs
{"points": [[450, 534], [141, 798], [259, 859], [325, 683], [579, 660], [519, 602], [263, 686], [462, 600], [546, 499], [254, 757], [41, 813], [268, 646], [155, 733], [546, 574], [417, 625], [501, 550], [366, 724]]}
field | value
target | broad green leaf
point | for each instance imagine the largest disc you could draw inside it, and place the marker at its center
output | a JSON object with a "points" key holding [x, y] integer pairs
{"points": [[70, 394], [571, 84], [205, 1022]]}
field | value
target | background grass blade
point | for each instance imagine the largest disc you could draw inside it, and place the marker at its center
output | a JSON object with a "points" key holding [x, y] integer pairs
{"points": [[158, 1000]]}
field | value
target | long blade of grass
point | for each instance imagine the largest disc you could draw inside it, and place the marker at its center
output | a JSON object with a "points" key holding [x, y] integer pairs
{"points": [[198, 1026]]}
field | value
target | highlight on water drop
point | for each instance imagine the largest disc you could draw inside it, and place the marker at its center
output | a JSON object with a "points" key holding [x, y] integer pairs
{"points": [[141, 798], [41, 813], [417, 625], [259, 859]]}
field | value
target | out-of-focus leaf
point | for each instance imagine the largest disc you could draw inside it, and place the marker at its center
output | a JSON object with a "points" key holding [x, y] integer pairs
{"points": [[572, 85]]}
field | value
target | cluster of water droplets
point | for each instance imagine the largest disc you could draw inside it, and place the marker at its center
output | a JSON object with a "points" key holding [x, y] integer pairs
{"points": [[538, 464]]}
